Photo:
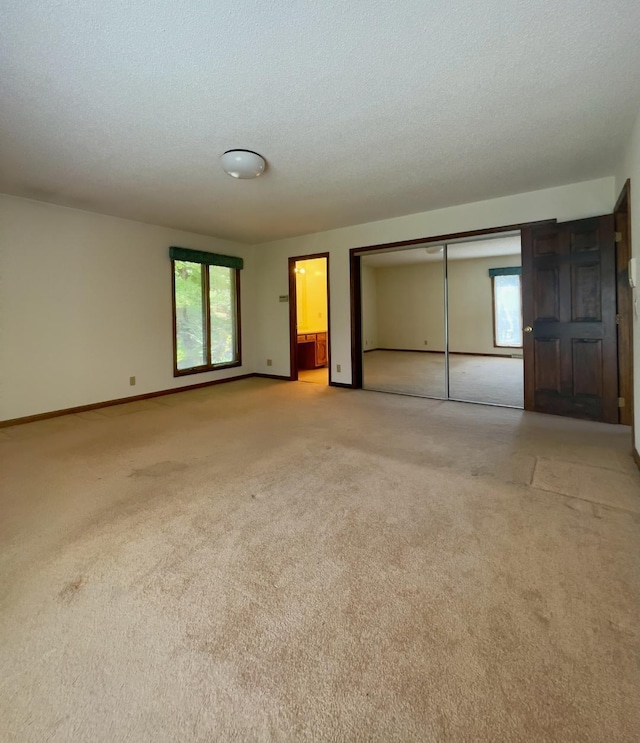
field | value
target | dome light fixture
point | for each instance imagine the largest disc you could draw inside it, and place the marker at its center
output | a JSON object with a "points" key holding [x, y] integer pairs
{"points": [[243, 163]]}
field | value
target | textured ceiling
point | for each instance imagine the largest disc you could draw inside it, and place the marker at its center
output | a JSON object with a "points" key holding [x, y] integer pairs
{"points": [[461, 251], [364, 110]]}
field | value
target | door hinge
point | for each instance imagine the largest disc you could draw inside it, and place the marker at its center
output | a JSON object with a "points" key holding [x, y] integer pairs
{"points": [[621, 402], [618, 319], [618, 237]]}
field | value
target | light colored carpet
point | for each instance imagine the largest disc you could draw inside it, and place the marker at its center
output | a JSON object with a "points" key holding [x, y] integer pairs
{"points": [[486, 379], [272, 561], [315, 376]]}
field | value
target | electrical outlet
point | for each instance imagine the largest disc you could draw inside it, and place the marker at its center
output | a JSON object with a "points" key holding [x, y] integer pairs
{"points": [[132, 381], [338, 367], [269, 362]]}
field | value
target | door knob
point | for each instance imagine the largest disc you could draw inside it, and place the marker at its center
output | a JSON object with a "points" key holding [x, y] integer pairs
{"points": [[528, 329]]}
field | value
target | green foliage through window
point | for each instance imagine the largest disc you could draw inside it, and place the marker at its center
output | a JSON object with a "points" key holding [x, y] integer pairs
{"points": [[206, 315], [222, 312]]}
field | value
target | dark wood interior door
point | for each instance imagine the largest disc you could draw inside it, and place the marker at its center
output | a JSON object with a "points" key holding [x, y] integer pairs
{"points": [[622, 223], [569, 317]]}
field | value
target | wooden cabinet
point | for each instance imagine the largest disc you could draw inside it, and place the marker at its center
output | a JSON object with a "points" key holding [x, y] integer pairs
{"points": [[321, 349], [312, 350]]}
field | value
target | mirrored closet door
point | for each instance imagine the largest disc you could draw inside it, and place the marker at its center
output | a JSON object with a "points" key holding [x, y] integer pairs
{"points": [[484, 312], [403, 321], [445, 321]]}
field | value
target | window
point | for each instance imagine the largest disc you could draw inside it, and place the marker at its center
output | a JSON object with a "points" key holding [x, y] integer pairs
{"points": [[206, 311], [507, 307]]}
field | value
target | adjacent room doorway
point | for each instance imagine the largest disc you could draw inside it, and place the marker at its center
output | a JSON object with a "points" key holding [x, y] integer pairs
{"points": [[309, 312]]}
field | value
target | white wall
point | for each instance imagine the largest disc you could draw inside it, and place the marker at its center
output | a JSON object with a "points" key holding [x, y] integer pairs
{"points": [[629, 167], [410, 305], [85, 303], [369, 308], [272, 325]]}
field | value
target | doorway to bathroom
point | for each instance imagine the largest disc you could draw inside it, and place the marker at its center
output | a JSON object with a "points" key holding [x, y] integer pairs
{"points": [[309, 318]]}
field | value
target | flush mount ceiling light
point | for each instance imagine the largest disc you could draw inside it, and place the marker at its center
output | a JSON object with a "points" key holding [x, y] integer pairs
{"points": [[243, 163]]}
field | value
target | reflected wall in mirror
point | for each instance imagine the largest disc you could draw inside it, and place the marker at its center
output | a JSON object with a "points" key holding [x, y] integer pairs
{"points": [[485, 321], [403, 333]]}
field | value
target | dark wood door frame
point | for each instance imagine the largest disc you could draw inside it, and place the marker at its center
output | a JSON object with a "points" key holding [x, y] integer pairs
{"points": [[624, 303], [293, 319], [356, 286]]}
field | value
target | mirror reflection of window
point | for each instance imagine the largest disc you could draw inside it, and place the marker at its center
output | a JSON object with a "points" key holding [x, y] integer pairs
{"points": [[507, 305]]}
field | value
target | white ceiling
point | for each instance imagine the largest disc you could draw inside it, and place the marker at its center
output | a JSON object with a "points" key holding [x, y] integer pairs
{"points": [[364, 110], [462, 251]]}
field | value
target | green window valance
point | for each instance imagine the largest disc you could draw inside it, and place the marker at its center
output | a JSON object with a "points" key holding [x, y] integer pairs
{"points": [[201, 256], [508, 271]]}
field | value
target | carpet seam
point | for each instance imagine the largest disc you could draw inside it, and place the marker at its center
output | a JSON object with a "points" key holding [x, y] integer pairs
{"points": [[533, 471], [593, 466], [586, 500]]}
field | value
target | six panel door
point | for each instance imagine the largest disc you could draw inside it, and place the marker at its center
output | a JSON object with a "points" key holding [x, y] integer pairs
{"points": [[569, 314]]}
